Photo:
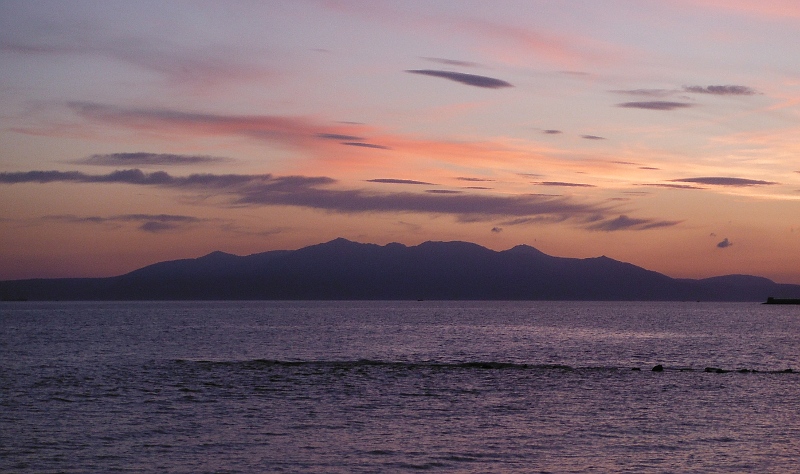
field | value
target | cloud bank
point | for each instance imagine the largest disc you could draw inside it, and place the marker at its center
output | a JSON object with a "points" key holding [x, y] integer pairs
{"points": [[134, 176], [317, 193]]}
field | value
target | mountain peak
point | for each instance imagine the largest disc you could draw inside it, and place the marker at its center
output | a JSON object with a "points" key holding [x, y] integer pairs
{"points": [[216, 254], [525, 249]]}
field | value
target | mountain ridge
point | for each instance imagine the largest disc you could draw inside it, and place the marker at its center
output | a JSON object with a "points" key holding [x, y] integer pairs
{"points": [[342, 269]]}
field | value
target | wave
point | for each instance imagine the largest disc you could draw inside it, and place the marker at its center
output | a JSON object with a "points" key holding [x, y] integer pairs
{"points": [[259, 364]]}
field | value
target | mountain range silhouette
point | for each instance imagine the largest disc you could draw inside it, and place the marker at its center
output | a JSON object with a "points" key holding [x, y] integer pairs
{"points": [[346, 270]]}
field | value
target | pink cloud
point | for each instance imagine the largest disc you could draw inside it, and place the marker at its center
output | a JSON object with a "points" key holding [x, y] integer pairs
{"points": [[300, 132], [501, 42], [327, 146], [208, 67], [774, 9], [562, 50]]}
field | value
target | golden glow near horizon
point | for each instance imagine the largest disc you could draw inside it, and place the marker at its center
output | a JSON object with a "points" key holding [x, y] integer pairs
{"points": [[665, 134]]}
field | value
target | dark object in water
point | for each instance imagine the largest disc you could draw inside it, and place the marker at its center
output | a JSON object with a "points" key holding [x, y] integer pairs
{"points": [[658, 368], [716, 370], [772, 300]]}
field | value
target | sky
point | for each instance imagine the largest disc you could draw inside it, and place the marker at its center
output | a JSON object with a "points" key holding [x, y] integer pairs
{"points": [[664, 133]]}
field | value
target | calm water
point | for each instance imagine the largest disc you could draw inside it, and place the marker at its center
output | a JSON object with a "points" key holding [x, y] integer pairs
{"points": [[399, 387]]}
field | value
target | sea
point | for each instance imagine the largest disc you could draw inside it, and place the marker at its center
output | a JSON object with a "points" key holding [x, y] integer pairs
{"points": [[399, 386]]}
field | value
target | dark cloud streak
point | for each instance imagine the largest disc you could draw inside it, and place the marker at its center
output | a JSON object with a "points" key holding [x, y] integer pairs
{"points": [[724, 181], [152, 223], [645, 92], [366, 145], [397, 181], [132, 176], [655, 105], [339, 136], [624, 222], [461, 178], [561, 183], [468, 79], [451, 62], [143, 158], [673, 186], [721, 90]]}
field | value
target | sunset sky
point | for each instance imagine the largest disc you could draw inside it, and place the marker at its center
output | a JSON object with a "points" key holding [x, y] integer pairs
{"points": [[664, 133]]}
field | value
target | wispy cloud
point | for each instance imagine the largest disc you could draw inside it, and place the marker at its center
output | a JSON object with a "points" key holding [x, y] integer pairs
{"points": [[452, 62], [655, 105], [295, 131], [209, 65], [503, 41], [724, 181], [397, 181], [672, 186], [645, 92], [561, 183], [463, 78], [712, 90], [776, 9], [721, 90], [144, 159], [592, 137], [152, 223], [367, 145], [317, 139], [479, 180], [724, 244], [624, 222], [551, 132], [338, 137]]}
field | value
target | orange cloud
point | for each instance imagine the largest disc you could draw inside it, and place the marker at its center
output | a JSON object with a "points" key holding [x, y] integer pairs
{"points": [[358, 152], [336, 144]]}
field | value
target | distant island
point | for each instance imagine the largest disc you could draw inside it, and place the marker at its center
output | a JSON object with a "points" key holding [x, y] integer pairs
{"points": [[346, 270], [773, 300]]}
